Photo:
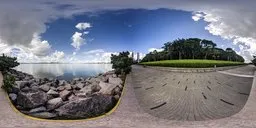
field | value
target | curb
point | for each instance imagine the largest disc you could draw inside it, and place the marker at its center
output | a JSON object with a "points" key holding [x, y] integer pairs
{"points": [[76, 120]]}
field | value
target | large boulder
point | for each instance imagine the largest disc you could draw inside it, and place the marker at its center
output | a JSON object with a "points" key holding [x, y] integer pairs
{"points": [[115, 81], [44, 115], [60, 88], [106, 88], [87, 107], [95, 88], [64, 94], [31, 98], [39, 109], [80, 85], [54, 103], [45, 87], [62, 82], [53, 93], [21, 84], [68, 87], [13, 96]]}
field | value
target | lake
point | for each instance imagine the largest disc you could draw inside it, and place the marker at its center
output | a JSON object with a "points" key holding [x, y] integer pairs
{"points": [[63, 71]]}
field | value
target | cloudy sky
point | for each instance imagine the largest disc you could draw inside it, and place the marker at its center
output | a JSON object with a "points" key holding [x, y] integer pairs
{"points": [[89, 31]]}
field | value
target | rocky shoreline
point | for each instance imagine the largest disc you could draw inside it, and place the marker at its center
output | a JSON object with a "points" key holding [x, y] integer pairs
{"points": [[79, 98]]}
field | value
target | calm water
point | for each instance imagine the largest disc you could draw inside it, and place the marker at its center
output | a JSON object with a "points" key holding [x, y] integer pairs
{"points": [[63, 71]]}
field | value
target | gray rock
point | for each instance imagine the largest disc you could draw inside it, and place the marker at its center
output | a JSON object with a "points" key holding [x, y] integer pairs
{"points": [[117, 97], [44, 115], [34, 84], [80, 85], [60, 88], [87, 107], [115, 81], [94, 80], [116, 91], [15, 90], [82, 94], [56, 81], [21, 84], [45, 87], [31, 98], [72, 97], [49, 97], [53, 93], [62, 82], [77, 79], [64, 94], [114, 75], [73, 82], [53, 88], [106, 88], [35, 87], [13, 96], [95, 88], [68, 87], [74, 86], [39, 109], [54, 103]]}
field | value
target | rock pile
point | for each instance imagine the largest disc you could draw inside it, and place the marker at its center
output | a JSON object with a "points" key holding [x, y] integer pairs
{"points": [[60, 99]]}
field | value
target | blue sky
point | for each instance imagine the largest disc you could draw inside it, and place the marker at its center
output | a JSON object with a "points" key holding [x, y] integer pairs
{"points": [[90, 31], [132, 30]]}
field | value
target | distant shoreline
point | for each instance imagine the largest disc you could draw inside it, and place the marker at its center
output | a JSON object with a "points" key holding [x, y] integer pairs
{"points": [[65, 63]]}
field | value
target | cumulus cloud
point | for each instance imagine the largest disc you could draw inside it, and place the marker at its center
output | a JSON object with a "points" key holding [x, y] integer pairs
{"points": [[77, 40], [83, 26], [39, 47], [229, 19], [153, 49]]}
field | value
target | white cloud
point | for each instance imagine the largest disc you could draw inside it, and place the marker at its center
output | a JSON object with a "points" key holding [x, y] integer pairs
{"points": [[94, 51], [77, 40], [197, 16], [38, 47], [83, 26], [153, 49]]}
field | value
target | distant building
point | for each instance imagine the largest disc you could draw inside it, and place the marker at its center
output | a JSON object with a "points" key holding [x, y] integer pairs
{"points": [[138, 57], [132, 55]]}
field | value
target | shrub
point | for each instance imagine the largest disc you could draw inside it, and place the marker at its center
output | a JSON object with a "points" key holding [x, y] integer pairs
{"points": [[7, 63], [121, 63], [8, 82]]}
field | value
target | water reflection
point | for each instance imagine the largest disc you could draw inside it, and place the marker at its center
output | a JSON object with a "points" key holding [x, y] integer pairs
{"points": [[64, 71]]}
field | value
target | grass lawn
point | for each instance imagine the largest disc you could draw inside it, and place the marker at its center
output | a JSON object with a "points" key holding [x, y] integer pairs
{"points": [[192, 63]]}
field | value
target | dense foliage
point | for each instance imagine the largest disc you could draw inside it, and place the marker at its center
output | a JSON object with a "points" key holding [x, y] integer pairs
{"points": [[121, 63], [8, 82], [254, 60], [7, 62], [192, 63], [192, 48]]}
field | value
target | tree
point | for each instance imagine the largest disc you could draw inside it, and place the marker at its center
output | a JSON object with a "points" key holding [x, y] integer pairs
{"points": [[121, 63], [192, 48], [254, 60], [7, 63]]}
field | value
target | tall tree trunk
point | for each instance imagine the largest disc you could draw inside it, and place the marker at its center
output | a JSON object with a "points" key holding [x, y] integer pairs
{"points": [[179, 55]]}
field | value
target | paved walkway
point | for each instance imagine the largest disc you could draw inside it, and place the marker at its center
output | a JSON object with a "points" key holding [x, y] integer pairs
{"points": [[190, 96], [130, 115]]}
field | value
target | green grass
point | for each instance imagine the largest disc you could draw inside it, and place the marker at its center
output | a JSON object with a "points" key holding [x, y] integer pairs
{"points": [[192, 63]]}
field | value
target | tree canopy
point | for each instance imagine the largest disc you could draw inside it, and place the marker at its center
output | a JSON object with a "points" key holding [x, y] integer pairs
{"points": [[192, 48], [121, 63], [7, 62]]}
